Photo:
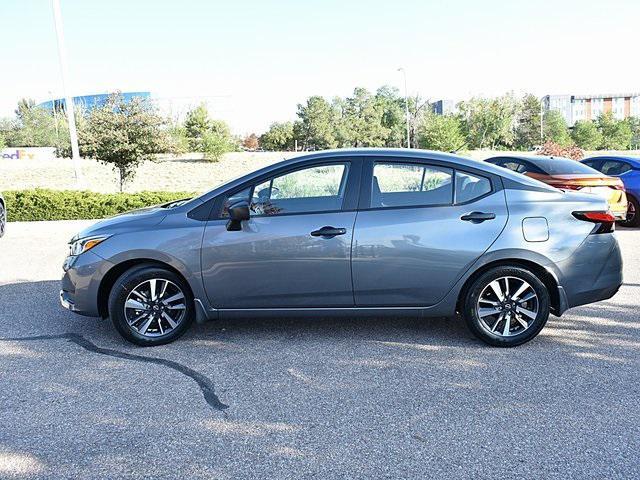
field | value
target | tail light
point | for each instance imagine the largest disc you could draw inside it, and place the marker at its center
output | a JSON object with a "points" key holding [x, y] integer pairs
{"points": [[619, 185], [605, 220]]}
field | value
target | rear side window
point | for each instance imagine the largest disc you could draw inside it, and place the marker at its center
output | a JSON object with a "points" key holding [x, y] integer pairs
{"points": [[470, 187], [405, 184], [614, 167]]}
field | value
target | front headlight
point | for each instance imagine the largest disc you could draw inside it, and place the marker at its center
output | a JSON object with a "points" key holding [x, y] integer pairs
{"points": [[82, 245]]}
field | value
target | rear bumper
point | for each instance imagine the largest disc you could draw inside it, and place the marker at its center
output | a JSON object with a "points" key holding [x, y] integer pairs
{"points": [[593, 273]]}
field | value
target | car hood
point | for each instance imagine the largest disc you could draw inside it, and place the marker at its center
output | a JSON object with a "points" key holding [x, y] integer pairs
{"points": [[133, 220]]}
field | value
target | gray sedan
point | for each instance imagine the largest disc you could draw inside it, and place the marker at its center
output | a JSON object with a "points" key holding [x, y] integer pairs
{"points": [[351, 232]]}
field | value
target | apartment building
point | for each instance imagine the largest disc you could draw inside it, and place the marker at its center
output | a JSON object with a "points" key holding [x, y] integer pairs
{"points": [[589, 107]]}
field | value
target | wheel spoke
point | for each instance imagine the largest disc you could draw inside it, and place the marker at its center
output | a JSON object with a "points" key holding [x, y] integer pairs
{"points": [[522, 322], [490, 302], [152, 288], [136, 305], [143, 329], [138, 318], [528, 313], [485, 312], [495, 286], [527, 297], [507, 324], [177, 296], [506, 284], [163, 289], [523, 288], [495, 325], [140, 296], [180, 306], [166, 316]]}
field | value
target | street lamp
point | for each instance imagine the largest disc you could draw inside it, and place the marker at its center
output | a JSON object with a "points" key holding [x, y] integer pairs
{"points": [[406, 104], [68, 100]]}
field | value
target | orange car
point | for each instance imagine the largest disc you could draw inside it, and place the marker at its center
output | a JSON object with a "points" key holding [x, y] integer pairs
{"points": [[568, 174]]}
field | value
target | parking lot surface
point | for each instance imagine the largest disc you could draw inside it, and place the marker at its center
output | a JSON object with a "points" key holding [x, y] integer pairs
{"points": [[338, 398]]}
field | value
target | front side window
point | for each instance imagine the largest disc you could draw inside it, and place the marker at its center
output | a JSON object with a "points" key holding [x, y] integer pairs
{"points": [[315, 189], [402, 185], [469, 187]]}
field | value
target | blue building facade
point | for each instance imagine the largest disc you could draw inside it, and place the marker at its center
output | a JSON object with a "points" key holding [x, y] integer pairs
{"points": [[89, 102]]}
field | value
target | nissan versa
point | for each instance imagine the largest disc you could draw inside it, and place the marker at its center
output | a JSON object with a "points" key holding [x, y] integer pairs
{"points": [[352, 232]]}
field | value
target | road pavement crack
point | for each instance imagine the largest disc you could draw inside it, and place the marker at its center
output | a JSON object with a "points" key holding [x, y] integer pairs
{"points": [[205, 384]]}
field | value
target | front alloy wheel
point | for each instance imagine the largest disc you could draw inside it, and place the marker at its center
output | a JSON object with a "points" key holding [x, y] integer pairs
{"points": [[150, 305], [155, 307], [506, 306]]}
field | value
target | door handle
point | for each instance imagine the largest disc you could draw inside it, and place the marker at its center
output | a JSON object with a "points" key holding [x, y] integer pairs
{"points": [[478, 217], [328, 232]]}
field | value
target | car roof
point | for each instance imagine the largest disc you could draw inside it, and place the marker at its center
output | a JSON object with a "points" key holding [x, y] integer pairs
{"points": [[626, 158], [396, 153]]}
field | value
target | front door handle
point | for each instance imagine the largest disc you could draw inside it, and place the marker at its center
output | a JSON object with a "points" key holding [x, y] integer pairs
{"points": [[478, 217], [328, 232]]}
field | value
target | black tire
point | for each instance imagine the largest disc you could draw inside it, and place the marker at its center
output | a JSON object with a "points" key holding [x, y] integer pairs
{"points": [[632, 221], [130, 280], [482, 330]]}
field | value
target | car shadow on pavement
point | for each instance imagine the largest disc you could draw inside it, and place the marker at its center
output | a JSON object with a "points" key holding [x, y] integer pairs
{"points": [[31, 309]]}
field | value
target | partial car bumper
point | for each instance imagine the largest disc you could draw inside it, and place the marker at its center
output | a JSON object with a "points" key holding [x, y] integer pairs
{"points": [[594, 272], [81, 281]]}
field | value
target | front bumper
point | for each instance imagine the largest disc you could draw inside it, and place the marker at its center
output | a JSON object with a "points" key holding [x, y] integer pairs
{"points": [[81, 282]]}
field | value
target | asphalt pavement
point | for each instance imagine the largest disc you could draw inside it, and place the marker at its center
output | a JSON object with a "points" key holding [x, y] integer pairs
{"points": [[321, 398]]}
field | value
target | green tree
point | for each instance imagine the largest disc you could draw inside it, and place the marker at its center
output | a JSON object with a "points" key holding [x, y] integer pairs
{"points": [[197, 123], [315, 128], [616, 134], [363, 120], [32, 127], [555, 128], [489, 122], [634, 125], [279, 137], [389, 102], [527, 133], [586, 135], [123, 134], [441, 132]]}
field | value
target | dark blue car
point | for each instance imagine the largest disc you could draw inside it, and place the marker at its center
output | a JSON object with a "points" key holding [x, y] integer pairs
{"points": [[628, 169]]}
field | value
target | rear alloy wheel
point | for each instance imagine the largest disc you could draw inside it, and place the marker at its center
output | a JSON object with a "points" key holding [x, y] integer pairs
{"points": [[3, 219], [150, 306], [633, 214], [506, 306]]}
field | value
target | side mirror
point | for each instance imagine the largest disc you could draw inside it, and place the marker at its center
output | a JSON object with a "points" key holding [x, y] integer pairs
{"points": [[237, 213]]}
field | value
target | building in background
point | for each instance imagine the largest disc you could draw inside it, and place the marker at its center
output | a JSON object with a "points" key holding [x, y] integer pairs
{"points": [[444, 107], [88, 102], [589, 107]]}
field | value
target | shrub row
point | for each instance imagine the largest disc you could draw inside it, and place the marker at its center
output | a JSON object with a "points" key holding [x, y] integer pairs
{"points": [[44, 204]]}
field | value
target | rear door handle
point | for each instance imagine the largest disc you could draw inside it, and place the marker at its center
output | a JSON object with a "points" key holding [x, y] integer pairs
{"points": [[328, 232], [478, 217]]}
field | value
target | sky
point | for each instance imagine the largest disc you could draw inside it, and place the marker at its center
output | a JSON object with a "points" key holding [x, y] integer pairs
{"points": [[253, 61]]}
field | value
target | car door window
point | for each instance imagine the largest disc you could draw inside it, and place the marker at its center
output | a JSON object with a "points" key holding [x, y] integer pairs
{"points": [[614, 167], [405, 184], [469, 187], [315, 189]]}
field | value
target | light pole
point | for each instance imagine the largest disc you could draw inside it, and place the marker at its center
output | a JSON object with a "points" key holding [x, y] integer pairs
{"points": [[68, 100], [406, 104]]}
